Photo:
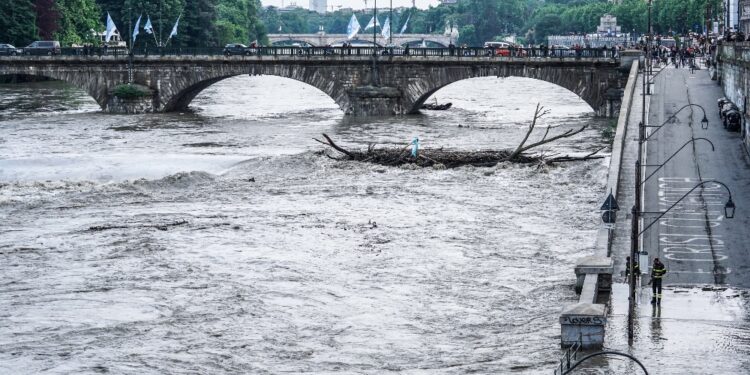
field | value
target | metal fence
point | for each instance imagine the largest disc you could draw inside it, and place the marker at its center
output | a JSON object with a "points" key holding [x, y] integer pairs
{"points": [[338, 52], [570, 357]]}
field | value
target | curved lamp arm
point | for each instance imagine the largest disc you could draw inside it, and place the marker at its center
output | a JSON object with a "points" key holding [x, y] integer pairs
{"points": [[606, 353], [675, 154], [704, 121], [729, 204]]}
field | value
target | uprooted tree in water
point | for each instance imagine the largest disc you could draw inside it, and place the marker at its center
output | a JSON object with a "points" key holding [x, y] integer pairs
{"points": [[453, 159]]}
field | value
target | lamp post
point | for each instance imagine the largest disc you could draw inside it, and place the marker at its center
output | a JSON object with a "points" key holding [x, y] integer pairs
{"points": [[660, 166], [729, 211], [636, 210], [704, 121], [729, 207]]}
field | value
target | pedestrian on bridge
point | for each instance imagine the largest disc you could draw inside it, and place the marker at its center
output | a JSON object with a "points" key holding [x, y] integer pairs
{"points": [[657, 275]]}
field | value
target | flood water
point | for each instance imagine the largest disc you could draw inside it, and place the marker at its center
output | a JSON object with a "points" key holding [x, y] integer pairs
{"points": [[221, 240]]}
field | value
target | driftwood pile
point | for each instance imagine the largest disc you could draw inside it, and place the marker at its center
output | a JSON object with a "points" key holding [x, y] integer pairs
{"points": [[452, 159]]}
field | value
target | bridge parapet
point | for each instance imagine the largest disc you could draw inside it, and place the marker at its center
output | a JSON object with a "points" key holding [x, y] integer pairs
{"points": [[345, 74]]}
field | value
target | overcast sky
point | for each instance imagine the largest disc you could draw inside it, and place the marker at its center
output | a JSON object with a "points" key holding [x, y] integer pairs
{"points": [[356, 4]]}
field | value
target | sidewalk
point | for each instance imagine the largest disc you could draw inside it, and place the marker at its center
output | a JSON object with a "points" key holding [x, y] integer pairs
{"points": [[703, 325]]}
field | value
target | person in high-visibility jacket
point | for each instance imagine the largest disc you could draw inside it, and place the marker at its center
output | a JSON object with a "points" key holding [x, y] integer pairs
{"points": [[657, 275]]}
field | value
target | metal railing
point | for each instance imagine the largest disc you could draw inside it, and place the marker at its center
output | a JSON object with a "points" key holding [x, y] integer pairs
{"points": [[342, 52], [570, 357]]}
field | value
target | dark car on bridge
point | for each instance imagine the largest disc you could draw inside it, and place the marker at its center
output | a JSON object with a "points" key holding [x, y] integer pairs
{"points": [[9, 50], [237, 49], [43, 47]]}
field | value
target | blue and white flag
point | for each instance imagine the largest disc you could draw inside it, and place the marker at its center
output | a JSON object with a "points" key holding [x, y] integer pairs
{"points": [[137, 26], [111, 28], [174, 29], [353, 29], [387, 28], [147, 27], [405, 25], [373, 23]]}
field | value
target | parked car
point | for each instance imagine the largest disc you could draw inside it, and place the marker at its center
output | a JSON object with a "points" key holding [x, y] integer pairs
{"points": [[43, 47], [236, 49], [9, 50], [726, 107], [733, 120], [498, 48], [561, 51]]}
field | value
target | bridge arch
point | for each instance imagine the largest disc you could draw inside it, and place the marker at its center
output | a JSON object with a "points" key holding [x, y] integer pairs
{"points": [[97, 92], [179, 97], [587, 83]]}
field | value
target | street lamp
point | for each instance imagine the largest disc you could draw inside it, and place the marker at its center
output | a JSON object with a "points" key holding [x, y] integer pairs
{"points": [[729, 207], [729, 211], [704, 121], [673, 155]]}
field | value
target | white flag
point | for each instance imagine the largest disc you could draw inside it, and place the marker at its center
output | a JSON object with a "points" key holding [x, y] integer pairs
{"points": [[147, 27], [353, 27], [111, 28], [137, 26], [373, 23], [174, 29], [387, 28], [405, 25]]}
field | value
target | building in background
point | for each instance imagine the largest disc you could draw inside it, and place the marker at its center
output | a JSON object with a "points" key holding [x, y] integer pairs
{"points": [[732, 14], [608, 34], [320, 6], [744, 8]]}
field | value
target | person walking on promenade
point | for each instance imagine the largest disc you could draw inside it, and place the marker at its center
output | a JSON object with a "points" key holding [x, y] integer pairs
{"points": [[657, 274]]}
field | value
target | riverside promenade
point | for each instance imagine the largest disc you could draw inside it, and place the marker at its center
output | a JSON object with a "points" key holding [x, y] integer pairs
{"points": [[703, 324]]}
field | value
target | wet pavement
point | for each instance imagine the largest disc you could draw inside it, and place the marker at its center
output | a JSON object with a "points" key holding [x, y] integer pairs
{"points": [[703, 323]]}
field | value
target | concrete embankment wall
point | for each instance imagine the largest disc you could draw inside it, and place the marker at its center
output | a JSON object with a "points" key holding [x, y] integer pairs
{"points": [[734, 68], [585, 321]]}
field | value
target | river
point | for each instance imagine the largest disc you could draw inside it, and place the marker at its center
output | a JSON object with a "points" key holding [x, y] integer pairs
{"points": [[221, 241]]}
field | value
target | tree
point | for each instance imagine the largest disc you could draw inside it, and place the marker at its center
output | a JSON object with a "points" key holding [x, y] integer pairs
{"points": [[79, 21], [47, 16], [17, 22], [198, 25]]}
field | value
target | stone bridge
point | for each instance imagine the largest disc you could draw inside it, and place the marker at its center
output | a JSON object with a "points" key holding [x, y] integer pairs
{"points": [[361, 85]]}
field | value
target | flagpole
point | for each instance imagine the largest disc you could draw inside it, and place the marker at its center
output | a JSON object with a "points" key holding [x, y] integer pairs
{"points": [[375, 27], [390, 25], [153, 33], [160, 22]]}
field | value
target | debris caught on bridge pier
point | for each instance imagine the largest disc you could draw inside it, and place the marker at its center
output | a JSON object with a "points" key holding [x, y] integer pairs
{"points": [[441, 158]]}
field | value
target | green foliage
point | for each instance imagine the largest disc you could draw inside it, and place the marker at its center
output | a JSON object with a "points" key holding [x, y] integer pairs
{"points": [[17, 22], [209, 23], [127, 91], [78, 21]]}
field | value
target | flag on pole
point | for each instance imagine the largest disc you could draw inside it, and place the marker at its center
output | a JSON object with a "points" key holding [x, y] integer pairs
{"points": [[174, 29], [353, 27], [111, 28], [373, 23], [137, 26], [403, 29], [387, 28], [147, 27]]}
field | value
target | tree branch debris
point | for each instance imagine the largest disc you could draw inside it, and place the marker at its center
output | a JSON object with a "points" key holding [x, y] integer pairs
{"points": [[440, 158]]}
